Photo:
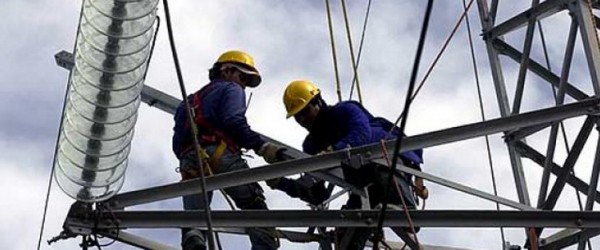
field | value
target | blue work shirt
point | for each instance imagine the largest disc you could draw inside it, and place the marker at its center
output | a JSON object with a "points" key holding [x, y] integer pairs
{"points": [[348, 123], [224, 107]]}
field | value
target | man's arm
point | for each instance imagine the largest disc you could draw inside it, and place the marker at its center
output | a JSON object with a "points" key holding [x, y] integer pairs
{"points": [[306, 188], [232, 115], [181, 132]]}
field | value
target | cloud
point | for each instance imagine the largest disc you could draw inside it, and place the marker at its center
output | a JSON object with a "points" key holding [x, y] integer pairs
{"points": [[289, 40]]}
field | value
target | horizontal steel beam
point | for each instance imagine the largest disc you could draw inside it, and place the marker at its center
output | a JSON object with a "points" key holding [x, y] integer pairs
{"points": [[568, 239], [462, 188], [325, 161], [347, 218], [544, 9], [135, 240], [158, 99]]}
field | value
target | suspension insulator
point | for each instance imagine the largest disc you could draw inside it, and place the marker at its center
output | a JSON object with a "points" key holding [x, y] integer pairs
{"points": [[111, 59]]}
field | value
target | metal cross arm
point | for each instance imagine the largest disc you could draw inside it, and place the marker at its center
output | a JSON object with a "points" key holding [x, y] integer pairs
{"points": [[373, 151], [145, 243], [542, 10], [345, 218], [460, 187]]}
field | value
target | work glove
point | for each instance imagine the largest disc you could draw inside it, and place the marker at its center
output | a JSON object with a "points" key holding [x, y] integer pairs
{"points": [[327, 150], [273, 183], [317, 194], [270, 152], [421, 189]]}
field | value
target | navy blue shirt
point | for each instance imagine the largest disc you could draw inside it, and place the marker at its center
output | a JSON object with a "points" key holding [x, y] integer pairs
{"points": [[224, 107], [346, 124]]}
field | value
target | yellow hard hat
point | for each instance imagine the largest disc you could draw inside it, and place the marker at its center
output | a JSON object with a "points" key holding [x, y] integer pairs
{"points": [[243, 62], [297, 95]]}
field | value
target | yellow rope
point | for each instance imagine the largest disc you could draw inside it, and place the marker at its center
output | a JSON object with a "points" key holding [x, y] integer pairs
{"points": [[351, 50], [335, 64]]}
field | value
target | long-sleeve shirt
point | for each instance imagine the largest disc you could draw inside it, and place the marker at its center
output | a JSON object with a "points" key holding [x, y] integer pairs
{"points": [[350, 124], [224, 107]]}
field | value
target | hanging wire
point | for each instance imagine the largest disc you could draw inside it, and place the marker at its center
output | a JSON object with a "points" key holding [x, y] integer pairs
{"points": [[399, 191], [354, 67], [435, 61], [478, 84], [52, 173], [561, 123], [360, 46], [200, 153], [333, 52], [60, 125], [152, 45], [396, 153]]}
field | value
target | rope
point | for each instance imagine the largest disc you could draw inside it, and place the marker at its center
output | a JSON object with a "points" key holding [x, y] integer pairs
{"points": [[413, 77], [354, 67], [480, 98], [360, 46], [333, 53], [202, 159], [400, 193], [433, 64]]}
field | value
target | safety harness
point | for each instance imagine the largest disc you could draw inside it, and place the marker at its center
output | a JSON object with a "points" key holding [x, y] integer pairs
{"points": [[208, 135]]}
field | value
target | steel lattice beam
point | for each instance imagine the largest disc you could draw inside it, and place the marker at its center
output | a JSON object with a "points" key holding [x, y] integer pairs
{"points": [[346, 218], [331, 160]]}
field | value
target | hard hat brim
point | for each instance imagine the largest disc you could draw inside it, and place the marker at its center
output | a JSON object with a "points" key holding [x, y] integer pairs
{"points": [[253, 73]]}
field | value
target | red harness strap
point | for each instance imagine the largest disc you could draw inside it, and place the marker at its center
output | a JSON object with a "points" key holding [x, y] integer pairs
{"points": [[208, 133]]}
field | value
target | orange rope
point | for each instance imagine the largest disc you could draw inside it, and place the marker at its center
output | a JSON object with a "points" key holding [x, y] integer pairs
{"points": [[400, 193]]}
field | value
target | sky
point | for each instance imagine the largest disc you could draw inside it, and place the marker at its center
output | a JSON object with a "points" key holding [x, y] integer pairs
{"points": [[289, 40]]}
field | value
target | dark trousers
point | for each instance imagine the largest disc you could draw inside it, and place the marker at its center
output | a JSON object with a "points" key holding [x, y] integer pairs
{"points": [[374, 178], [248, 196]]}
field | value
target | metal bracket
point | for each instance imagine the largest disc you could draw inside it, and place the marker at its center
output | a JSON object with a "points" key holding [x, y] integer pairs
{"points": [[354, 161]]}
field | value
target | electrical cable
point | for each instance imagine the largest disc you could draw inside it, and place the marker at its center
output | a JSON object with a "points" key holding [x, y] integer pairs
{"points": [[152, 45], [481, 109], [349, 36], [202, 160], [56, 147], [434, 63], [360, 46], [333, 52], [411, 86], [400, 193]]}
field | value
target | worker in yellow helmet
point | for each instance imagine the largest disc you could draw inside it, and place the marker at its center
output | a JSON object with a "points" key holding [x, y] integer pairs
{"points": [[344, 125], [219, 112]]}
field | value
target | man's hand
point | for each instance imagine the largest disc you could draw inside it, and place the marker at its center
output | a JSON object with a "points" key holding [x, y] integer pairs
{"points": [[269, 151], [327, 150], [421, 189]]}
